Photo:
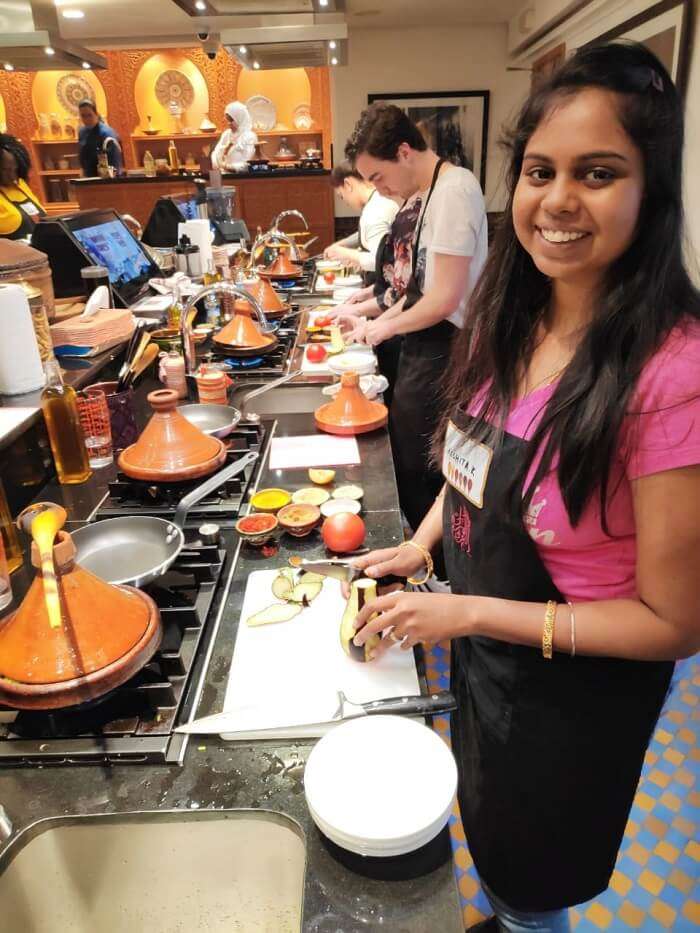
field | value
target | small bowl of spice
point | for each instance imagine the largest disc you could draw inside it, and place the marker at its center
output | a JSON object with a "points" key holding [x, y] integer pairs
{"points": [[300, 519], [270, 500], [257, 529]]}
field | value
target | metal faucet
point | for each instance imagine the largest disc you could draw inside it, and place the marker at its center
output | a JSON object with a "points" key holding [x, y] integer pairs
{"points": [[6, 828], [263, 239], [217, 288], [275, 228]]}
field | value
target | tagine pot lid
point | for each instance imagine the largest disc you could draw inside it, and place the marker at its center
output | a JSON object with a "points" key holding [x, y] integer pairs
{"points": [[243, 331], [351, 412], [264, 294], [107, 634], [282, 267], [170, 447]]}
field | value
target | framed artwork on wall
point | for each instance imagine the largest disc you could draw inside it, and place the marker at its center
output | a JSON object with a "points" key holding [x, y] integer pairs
{"points": [[663, 28], [454, 123]]}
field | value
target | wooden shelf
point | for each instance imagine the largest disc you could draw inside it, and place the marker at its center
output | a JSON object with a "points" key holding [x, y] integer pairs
{"points": [[60, 171], [176, 137], [311, 132], [68, 141]]}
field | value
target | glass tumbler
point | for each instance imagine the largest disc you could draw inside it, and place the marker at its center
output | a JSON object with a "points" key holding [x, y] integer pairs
{"points": [[94, 420]]}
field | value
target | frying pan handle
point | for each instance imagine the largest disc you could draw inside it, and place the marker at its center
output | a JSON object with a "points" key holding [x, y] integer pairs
{"points": [[211, 485]]}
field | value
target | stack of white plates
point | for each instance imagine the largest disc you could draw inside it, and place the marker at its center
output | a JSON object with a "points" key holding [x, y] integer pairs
{"points": [[380, 786], [357, 359]]}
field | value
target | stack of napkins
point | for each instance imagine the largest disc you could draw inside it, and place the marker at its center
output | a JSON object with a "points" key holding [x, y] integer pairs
{"points": [[87, 336]]}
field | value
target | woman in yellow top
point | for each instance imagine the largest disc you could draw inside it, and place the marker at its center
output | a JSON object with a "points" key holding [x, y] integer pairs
{"points": [[19, 206]]}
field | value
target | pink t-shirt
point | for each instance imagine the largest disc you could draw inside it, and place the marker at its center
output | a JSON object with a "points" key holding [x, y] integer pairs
{"points": [[584, 563]]}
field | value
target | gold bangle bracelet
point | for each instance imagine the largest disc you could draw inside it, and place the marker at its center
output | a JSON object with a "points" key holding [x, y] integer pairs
{"points": [[425, 554], [548, 629], [572, 619]]}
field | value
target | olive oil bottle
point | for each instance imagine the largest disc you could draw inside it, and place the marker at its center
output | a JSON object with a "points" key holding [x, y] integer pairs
{"points": [[60, 408], [13, 550]]}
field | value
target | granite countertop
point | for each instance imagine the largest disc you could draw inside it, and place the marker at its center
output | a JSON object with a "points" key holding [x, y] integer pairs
{"points": [[264, 775]]}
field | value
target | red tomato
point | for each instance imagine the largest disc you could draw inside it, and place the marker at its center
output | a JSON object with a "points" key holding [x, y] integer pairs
{"points": [[316, 353], [322, 322], [329, 277], [343, 532]]}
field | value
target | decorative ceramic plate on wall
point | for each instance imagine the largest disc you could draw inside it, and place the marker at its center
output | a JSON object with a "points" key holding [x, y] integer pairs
{"points": [[302, 118], [262, 112], [173, 86], [71, 89]]}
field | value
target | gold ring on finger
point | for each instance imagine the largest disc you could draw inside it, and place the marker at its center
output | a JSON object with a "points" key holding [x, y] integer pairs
{"points": [[394, 637]]}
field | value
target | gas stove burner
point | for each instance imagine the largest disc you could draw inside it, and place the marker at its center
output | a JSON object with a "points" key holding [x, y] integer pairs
{"points": [[259, 165], [251, 362], [311, 163], [127, 495]]}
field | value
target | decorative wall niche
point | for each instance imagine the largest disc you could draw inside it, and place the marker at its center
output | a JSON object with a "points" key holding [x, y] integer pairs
{"points": [[167, 76]]}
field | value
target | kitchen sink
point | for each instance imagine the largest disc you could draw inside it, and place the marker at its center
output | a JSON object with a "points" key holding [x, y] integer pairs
{"points": [[161, 871], [287, 399]]}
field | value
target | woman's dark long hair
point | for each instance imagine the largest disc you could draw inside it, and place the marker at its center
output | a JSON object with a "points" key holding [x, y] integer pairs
{"points": [[646, 291]]}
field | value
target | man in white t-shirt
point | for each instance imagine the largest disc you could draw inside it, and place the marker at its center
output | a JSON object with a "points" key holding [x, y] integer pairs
{"points": [[376, 216], [449, 251]]}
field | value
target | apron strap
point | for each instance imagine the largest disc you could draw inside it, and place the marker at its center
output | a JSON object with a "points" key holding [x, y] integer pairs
{"points": [[419, 228]]}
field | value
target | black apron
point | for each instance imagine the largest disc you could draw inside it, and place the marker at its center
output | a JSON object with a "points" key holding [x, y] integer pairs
{"points": [[549, 751], [29, 213], [369, 277], [389, 350], [414, 410]]}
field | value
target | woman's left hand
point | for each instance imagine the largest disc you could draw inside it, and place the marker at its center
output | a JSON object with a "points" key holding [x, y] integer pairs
{"points": [[377, 331], [412, 618]]}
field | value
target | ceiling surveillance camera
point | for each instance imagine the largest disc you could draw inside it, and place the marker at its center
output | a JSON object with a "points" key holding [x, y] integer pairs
{"points": [[203, 35], [211, 46]]}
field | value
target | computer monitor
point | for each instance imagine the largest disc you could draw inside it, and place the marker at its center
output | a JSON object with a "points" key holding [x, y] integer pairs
{"points": [[107, 241], [187, 205]]}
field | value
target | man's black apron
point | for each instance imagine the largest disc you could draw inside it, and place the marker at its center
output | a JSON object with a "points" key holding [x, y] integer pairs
{"points": [[549, 752], [368, 277], [414, 410]]}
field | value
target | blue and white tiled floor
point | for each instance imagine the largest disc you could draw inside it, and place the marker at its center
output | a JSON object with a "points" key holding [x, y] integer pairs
{"points": [[656, 883]]}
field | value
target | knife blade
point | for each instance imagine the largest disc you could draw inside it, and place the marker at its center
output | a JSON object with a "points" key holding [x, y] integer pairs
{"points": [[229, 722]]}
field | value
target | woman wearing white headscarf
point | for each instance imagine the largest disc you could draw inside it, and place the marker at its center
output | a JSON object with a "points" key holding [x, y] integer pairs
{"points": [[237, 143]]}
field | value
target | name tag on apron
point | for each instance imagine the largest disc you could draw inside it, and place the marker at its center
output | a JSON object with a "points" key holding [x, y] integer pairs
{"points": [[465, 464], [29, 208]]}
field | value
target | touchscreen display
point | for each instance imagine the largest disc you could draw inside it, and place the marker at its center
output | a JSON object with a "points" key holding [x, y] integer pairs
{"points": [[111, 245]]}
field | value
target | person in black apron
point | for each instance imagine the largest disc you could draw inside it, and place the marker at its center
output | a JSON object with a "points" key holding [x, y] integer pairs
{"points": [[556, 703], [19, 207]]}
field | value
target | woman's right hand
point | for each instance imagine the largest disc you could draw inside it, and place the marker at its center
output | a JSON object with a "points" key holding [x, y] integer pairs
{"points": [[342, 311]]}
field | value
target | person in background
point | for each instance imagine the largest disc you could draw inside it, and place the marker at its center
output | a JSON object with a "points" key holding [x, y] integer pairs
{"points": [[376, 216], [19, 206], [569, 439], [448, 251], [237, 143], [96, 136]]}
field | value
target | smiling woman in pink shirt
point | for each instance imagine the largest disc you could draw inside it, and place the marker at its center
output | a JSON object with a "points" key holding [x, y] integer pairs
{"points": [[570, 515]]}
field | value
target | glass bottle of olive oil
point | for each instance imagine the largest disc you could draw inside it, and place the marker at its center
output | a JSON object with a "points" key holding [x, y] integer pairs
{"points": [[13, 550], [60, 408]]}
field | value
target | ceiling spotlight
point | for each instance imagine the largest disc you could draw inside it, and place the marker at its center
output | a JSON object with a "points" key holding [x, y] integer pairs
{"points": [[323, 2], [49, 50], [332, 44], [242, 49], [9, 66], [256, 64], [72, 14], [334, 61], [200, 5], [87, 65]]}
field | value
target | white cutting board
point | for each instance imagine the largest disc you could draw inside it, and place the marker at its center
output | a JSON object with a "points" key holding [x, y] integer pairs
{"points": [[290, 672]]}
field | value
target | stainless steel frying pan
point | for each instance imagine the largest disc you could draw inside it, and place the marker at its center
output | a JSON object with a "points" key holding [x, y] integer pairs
{"points": [[138, 548], [216, 420]]}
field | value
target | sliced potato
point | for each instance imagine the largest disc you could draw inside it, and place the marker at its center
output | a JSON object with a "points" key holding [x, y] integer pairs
{"points": [[280, 612], [309, 577]]}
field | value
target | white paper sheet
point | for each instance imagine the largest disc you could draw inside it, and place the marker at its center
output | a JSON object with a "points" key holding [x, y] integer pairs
{"points": [[312, 450]]}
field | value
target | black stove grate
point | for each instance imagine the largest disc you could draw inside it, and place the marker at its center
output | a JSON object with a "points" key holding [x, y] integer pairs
{"points": [[133, 723], [272, 364], [127, 495]]}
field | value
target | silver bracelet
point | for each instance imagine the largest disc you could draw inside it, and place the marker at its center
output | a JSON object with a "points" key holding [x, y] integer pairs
{"points": [[572, 619]]}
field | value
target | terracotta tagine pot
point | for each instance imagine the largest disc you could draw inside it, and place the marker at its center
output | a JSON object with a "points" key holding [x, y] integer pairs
{"points": [[106, 635], [351, 412], [281, 268], [265, 295], [170, 447], [242, 334]]}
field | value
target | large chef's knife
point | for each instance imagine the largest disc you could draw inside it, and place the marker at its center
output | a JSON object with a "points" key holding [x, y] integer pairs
{"points": [[341, 569], [230, 722]]}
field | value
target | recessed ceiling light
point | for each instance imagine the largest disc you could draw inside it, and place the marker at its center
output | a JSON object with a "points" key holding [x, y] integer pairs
{"points": [[49, 50], [334, 61], [87, 65], [323, 2], [331, 44], [201, 5], [72, 14], [242, 49], [9, 66], [256, 64]]}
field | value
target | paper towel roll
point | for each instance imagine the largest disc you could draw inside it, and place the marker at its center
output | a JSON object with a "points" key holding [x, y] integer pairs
{"points": [[20, 364], [199, 233]]}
